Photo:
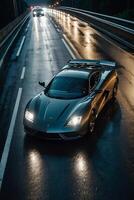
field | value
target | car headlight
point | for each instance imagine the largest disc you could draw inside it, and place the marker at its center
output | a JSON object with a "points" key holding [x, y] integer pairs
{"points": [[34, 13], [42, 12], [74, 121], [29, 116]]}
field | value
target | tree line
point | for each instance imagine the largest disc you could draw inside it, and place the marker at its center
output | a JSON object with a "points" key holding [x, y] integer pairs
{"points": [[10, 9]]}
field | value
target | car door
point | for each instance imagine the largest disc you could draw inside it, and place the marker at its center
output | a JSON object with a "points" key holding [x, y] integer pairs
{"points": [[99, 94]]}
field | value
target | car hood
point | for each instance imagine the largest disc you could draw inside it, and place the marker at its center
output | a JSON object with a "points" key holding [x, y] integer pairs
{"points": [[52, 111]]}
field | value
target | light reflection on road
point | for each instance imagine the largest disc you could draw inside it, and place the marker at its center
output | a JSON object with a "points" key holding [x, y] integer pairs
{"points": [[80, 34], [35, 168], [36, 28], [81, 165]]}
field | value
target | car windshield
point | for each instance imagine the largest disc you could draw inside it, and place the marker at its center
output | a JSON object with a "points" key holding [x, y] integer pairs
{"points": [[37, 10], [67, 88]]}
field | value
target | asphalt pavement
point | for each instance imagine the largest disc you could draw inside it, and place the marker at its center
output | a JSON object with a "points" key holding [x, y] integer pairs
{"points": [[97, 167]]}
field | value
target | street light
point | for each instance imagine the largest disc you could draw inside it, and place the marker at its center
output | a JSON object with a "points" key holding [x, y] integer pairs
{"points": [[15, 8]]}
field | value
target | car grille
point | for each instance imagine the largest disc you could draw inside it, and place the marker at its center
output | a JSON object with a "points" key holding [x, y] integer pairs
{"points": [[42, 134]]}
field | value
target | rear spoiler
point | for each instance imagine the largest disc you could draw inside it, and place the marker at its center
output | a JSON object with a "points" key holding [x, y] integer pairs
{"points": [[91, 64]]}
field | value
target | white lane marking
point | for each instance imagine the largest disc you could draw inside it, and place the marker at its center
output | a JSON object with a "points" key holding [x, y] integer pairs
{"points": [[28, 25], [72, 47], [68, 48], [9, 137], [26, 29], [23, 73], [58, 30], [21, 45]]}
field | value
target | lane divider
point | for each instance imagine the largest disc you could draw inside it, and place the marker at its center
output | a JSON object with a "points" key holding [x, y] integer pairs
{"points": [[21, 45], [23, 73], [68, 48], [9, 137], [73, 51], [28, 25], [58, 30], [55, 26]]}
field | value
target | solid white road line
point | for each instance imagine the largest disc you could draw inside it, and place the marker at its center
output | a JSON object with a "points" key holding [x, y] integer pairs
{"points": [[21, 45], [58, 30], [23, 73], [9, 137], [68, 48], [76, 53]]}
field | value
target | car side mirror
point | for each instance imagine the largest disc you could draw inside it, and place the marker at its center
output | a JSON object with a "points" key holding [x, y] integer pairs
{"points": [[98, 91], [42, 84]]}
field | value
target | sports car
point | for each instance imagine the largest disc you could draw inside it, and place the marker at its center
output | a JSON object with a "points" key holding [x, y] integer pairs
{"points": [[38, 12], [69, 105]]}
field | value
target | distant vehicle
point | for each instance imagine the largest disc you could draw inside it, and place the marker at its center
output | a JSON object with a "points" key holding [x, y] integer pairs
{"points": [[71, 102], [38, 12]]}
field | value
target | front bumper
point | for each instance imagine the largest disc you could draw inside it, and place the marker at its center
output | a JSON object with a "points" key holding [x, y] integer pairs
{"points": [[55, 135], [38, 15]]}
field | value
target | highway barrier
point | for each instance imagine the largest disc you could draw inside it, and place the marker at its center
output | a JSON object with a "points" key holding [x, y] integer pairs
{"points": [[117, 38], [8, 35], [117, 20], [111, 26]]}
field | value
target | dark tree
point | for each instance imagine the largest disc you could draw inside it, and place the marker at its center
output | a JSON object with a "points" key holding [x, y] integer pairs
{"points": [[6, 12], [10, 9]]}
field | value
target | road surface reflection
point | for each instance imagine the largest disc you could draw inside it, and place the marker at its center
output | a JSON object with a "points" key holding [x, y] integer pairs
{"points": [[83, 166], [80, 34]]}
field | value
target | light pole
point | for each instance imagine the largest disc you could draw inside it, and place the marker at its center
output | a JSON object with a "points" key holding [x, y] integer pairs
{"points": [[15, 8]]}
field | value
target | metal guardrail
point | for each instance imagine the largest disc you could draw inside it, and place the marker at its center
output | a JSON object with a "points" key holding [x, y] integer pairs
{"points": [[117, 20], [113, 49], [122, 34], [9, 34], [9, 28]]}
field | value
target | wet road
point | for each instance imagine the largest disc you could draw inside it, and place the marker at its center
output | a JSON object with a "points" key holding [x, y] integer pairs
{"points": [[98, 167]]}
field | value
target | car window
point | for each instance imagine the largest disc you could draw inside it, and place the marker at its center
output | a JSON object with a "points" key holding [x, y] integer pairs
{"points": [[67, 87], [94, 79], [37, 10]]}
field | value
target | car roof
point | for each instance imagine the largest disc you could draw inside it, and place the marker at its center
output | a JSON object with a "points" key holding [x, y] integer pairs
{"points": [[74, 73]]}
